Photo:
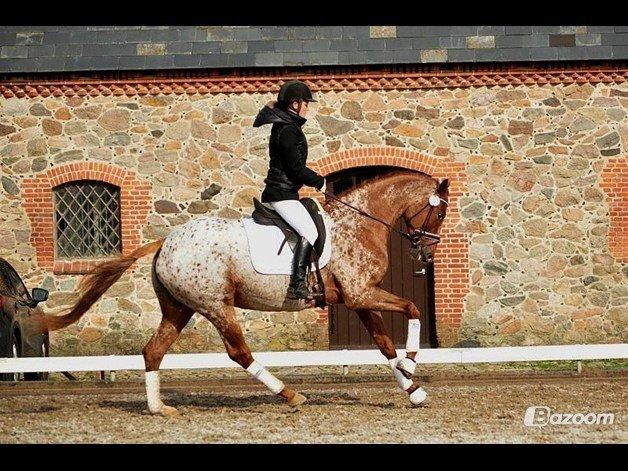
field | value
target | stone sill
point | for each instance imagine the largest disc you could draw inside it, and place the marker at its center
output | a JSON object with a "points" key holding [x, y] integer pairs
{"points": [[77, 267]]}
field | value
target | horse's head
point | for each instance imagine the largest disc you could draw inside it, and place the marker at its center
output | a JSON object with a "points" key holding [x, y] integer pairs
{"points": [[423, 220]]}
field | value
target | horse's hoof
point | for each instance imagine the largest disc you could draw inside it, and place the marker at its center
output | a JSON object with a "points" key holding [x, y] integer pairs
{"points": [[418, 397], [297, 399], [168, 411]]}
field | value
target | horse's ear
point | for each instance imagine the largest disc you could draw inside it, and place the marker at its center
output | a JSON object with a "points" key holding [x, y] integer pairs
{"points": [[443, 186]]}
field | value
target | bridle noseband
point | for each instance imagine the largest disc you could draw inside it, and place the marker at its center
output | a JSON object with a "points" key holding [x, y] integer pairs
{"points": [[418, 249]]}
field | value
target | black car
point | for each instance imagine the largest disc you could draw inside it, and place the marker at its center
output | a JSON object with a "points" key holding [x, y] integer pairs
{"points": [[16, 304]]}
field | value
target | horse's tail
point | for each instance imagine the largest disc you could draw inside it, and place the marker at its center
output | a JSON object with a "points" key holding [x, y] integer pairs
{"points": [[92, 287]]}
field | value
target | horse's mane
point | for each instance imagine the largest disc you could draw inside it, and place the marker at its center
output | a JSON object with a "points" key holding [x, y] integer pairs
{"points": [[387, 175]]}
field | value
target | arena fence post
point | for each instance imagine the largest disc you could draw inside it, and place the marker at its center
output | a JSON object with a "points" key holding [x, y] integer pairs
{"points": [[345, 368]]}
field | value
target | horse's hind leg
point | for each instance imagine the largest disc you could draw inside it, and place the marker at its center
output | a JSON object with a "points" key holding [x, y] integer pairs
{"points": [[175, 317], [239, 351]]}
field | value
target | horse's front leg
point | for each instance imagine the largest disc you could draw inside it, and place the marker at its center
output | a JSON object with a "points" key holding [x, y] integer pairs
{"points": [[374, 323], [377, 299]]}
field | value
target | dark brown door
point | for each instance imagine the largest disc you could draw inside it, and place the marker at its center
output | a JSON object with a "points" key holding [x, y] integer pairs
{"points": [[403, 278]]}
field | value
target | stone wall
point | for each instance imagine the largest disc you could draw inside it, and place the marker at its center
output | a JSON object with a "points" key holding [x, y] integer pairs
{"points": [[534, 213]]}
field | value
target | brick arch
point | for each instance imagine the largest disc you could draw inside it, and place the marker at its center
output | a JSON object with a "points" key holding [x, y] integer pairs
{"points": [[614, 183], [451, 268], [37, 197], [393, 156]]}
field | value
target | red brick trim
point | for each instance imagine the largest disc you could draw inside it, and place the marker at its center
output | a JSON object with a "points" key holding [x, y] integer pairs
{"points": [[37, 197], [451, 268], [322, 316], [376, 80], [615, 185]]}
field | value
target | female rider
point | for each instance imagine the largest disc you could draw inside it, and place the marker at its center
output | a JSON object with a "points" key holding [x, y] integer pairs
{"points": [[288, 173]]}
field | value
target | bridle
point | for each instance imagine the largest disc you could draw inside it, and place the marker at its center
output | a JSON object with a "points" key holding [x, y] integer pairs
{"points": [[417, 235], [418, 247]]}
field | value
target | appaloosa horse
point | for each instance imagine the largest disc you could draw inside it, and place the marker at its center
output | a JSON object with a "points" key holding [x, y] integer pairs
{"points": [[204, 266]]}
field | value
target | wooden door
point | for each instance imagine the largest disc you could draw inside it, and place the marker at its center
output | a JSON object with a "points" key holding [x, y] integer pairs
{"points": [[403, 278]]}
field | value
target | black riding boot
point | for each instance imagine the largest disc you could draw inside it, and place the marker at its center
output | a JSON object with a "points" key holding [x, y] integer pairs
{"points": [[298, 284]]}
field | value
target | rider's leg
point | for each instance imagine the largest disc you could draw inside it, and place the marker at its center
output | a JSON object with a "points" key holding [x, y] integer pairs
{"points": [[295, 214]]}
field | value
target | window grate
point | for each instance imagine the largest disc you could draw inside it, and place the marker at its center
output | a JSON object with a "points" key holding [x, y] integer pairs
{"points": [[87, 219]]}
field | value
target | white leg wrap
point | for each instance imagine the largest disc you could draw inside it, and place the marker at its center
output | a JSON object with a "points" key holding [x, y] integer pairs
{"points": [[418, 396], [403, 382], [266, 377], [407, 365], [152, 391], [414, 335]]}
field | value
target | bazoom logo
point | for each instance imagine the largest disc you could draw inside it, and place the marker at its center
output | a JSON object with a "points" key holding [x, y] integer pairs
{"points": [[539, 416]]}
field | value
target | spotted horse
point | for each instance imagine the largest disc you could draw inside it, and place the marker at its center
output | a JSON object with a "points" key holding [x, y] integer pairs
{"points": [[204, 266]]}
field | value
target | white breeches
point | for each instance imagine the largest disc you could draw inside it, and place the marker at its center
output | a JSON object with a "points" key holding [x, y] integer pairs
{"points": [[297, 216]]}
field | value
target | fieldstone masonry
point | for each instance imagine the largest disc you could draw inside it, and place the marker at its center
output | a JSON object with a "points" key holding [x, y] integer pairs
{"points": [[536, 250]]}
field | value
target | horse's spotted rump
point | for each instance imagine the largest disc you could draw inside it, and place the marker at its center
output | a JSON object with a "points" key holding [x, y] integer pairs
{"points": [[205, 264]]}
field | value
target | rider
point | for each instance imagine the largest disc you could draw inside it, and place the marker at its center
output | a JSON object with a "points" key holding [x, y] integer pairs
{"points": [[288, 173]]}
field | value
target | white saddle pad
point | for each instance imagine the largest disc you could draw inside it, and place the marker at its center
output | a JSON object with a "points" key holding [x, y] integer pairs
{"points": [[264, 243]]}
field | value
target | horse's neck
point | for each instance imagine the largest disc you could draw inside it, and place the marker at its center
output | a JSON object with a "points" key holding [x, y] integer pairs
{"points": [[385, 199]]}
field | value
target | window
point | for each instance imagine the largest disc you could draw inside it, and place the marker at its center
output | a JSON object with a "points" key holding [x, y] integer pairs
{"points": [[87, 219]]}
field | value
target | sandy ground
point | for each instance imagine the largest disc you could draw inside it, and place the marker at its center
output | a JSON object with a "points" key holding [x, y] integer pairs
{"points": [[337, 412]]}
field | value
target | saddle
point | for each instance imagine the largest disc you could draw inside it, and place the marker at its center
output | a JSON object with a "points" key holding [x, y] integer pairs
{"points": [[268, 217]]}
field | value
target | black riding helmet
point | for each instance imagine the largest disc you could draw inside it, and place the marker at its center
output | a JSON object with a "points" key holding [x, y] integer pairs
{"points": [[294, 90]]}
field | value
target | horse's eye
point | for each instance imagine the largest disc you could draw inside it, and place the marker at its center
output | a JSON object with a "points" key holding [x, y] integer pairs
{"points": [[441, 216]]}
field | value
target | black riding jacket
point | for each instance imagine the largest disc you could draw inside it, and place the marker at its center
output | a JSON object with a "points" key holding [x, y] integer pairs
{"points": [[288, 156]]}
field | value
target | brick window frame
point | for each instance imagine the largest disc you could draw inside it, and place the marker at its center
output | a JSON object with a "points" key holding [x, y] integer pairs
{"points": [[38, 204], [451, 266], [615, 184]]}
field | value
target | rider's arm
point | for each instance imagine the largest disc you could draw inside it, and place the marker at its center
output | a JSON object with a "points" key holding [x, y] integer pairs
{"points": [[293, 159]]}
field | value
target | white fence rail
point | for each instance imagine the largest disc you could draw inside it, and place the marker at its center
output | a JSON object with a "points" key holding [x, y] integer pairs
{"points": [[318, 358]]}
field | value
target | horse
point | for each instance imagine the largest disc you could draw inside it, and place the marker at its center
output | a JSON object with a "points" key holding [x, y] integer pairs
{"points": [[204, 266]]}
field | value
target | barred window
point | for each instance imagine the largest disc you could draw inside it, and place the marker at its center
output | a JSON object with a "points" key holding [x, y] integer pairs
{"points": [[87, 219]]}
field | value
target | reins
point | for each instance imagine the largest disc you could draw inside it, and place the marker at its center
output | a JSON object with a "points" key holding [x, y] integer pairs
{"points": [[413, 239], [364, 213]]}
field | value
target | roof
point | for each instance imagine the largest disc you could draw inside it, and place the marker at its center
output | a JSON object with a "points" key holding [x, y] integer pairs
{"points": [[31, 49]]}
